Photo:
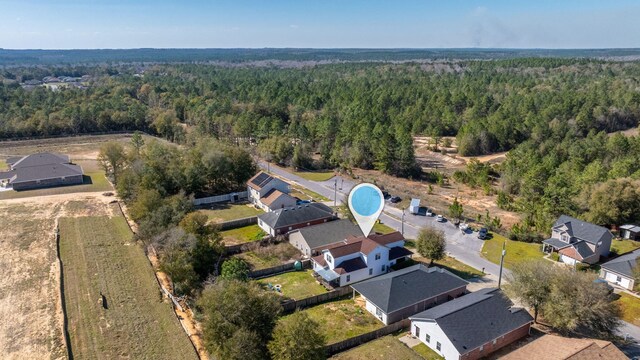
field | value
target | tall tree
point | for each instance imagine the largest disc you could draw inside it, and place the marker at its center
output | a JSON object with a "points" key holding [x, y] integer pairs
{"points": [[455, 209], [112, 158], [297, 337], [431, 244], [530, 282]]}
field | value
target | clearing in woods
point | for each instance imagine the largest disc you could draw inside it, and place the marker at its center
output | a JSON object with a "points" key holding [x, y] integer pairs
{"points": [[99, 256]]}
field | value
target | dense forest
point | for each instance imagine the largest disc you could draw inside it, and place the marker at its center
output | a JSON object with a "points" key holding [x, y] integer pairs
{"points": [[553, 115]]}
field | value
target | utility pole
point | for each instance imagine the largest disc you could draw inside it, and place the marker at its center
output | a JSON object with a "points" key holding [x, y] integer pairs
{"points": [[402, 229], [335, 192], [504, 252], [268, 167]]}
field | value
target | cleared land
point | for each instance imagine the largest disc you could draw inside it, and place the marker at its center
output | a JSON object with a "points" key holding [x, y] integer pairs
{"points": [[296, 284], [99, 257], [340, 320], [630, 306], [387, 347], [226, 212], [262, 257], [624, 246], [242, 235], [517, 251]]}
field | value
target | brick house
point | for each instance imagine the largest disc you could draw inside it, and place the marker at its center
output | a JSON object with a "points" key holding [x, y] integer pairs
{"points": [[281, 221]]}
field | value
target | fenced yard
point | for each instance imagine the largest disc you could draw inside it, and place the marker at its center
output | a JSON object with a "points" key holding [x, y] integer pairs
{"points": [[262, 257], [386, 347], [225, 212], [343, 319], [295, 284], [99, 256], [242, 235]]}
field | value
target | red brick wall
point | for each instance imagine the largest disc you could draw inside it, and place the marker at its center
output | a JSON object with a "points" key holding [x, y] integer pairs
{"points": [[489, 347]]}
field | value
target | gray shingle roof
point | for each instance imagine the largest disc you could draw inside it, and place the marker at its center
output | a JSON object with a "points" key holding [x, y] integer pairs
{"points": [[623, 264], [399, 289], [631, 227], [43, 172], [583, 230], [477, 318], [296, 215], [583, 249], [329, 233], [556, 243], [40, 159]]}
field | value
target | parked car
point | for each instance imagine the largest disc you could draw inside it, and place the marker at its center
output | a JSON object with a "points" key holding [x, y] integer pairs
{"points": [[464, 226], [386, 195], [429, 212], [440, 218], [482, 234], [395, 199]]}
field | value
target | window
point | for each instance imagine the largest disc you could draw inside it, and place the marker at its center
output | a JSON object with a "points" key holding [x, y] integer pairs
{"points": [[438, 346], [329, 259], [348, 278], [416, 330], [427, 338], [565, 237], [384, 267], [618, 278], [378, 256], [370, 271]]}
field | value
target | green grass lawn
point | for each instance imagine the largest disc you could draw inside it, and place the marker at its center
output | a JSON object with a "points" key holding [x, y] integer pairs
{"points": [[630, 306], [3, 165], [425, 352], [386, 347], [242, 235], [517, 251], [382, 228], [315, 176], [225, 212], [306, 194], [340, 320], [624, 246], [93, 181], [296, 284], [99, 255]]}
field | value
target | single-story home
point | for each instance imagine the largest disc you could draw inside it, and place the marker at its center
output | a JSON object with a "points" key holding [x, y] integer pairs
{"points": [[631, 232], [556, 347], [472, 326], [40, 171], [399, 294], [619, 271], [578, 241], [311, 240], [269, 193], [281, 221], [360, 258]]}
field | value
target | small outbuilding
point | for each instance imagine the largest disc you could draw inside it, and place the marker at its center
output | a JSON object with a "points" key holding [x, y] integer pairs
{"points": [[631, 232]]}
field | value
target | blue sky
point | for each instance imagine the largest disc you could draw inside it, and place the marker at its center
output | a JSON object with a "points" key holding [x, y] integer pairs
{"points": [[68, 24]]}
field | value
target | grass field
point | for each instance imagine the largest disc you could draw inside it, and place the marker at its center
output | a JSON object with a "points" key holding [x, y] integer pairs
{"points": [[242, 235], [315, 176], [296, 284], [226, 212], [630, 306], [426, 353], [387, 347], [340, 320], [517, 251], [99, 255], [3, 165], [624, 246], [382, 228], [306, 194]]}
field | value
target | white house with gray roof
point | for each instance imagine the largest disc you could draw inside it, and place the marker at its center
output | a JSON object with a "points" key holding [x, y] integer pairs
{"points": [[619, 271], [578, 241], [402, 293], [472, 326], [39, 171], [313, 239]]}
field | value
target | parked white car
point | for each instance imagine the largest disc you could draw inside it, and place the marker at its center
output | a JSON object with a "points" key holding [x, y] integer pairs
{"points": [[440, 218], [429, 212]]}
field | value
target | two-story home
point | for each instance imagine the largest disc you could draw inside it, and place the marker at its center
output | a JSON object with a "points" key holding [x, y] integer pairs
{"points": [[269, 193], [578, 241], [359, 258]]}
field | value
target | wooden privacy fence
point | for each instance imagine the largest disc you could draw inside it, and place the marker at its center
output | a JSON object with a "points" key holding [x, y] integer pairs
{"points": [[257, 274], [232, 224], [291, 305], [335, 348], [231, 197]]}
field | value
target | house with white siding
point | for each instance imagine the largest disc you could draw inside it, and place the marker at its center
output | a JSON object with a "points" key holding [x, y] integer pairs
{"points": [[620, 271], [269, 193]]}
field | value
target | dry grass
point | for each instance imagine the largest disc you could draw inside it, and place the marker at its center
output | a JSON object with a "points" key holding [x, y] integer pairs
{"points": [[262, 257], [387, 347]]}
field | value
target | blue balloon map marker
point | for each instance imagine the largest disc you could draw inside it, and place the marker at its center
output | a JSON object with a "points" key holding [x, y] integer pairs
{"points": [[366, 203]]}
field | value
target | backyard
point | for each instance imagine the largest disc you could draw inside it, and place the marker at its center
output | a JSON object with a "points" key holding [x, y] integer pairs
{"points": [[242, 235], [517, 251], [100, 257], [225, 212], [340, 320], [630, 306], [262, 257], [387, 347], [624, 246], [296, 284]]}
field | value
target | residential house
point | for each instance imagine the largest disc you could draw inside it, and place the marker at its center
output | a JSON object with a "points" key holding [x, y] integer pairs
{"points": [[359, 258], [40, 171], [269, 193], [619, 271], [281, 221], [402, 293], [631, 232], [556, 347], [472, 326], [578, 241], [311, 240]]}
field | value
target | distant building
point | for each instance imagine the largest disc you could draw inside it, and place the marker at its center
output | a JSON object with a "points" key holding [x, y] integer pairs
{"points": [[40, 171], [360, 258], [311, 240], [578, 241], [472, 326], [269, 193], [556, 347], [403, 293], [281, 221], [619, 271]]}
